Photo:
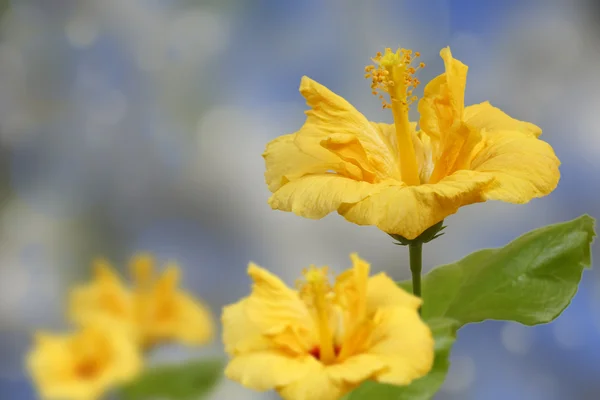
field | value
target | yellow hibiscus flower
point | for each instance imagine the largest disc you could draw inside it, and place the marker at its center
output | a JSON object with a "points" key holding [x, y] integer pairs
{"points": [[396, 177], [155, 308], [321, 341], [85, 364]]}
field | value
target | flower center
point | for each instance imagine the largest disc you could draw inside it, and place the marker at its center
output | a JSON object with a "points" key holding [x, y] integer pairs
{"points": [[395, 76], [316, 292], [88, 369], [92, 354]]}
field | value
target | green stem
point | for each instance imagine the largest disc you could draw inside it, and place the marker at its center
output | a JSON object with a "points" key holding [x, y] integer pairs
{"points": [[416, 263]]}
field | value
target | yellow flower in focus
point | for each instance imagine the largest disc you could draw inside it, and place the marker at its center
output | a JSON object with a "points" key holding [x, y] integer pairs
{"points": [[85, 364], [323, 340], [155, 308], [394, 176]]}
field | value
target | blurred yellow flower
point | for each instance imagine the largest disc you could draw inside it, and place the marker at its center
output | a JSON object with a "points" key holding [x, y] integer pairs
{"points": [[155, 308], [321, 341], [85, 364], [396, 177]]}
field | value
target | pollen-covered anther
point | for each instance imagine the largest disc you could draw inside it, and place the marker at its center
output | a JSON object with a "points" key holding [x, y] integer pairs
{"points": [[315, 280], [394, 75], [380, 79]]}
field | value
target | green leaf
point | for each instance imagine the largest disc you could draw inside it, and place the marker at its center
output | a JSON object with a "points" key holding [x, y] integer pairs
{"points": [[531, 280], [188, 381], [444, 333]]}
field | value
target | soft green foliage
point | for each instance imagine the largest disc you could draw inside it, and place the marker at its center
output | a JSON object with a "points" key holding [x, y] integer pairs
{"points": [[188, 381], [444, 332], [531, 280]]}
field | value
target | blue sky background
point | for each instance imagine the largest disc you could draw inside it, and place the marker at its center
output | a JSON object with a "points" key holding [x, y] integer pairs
{"points": [[139, 125]]}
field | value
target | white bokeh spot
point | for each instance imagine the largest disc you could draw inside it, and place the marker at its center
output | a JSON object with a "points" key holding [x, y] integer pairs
{"points": [[82, 31], [516, 338], [461, 375]]}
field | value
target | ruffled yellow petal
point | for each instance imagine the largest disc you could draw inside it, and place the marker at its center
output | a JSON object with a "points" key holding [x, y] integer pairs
{"points": [[316, 384], [332, 119], [348, 148], [334, 381], [404, 342], [388, 133], [442, 105], [285, 162], [486, 116], [356, 370], [278, 311], [442, 108], [267, 370], [409, 210], [456, 153], [189, 321], [456, 81], [165, 312], [240, 333], [315, 196], [273, 316], [424, 154], [523, 166], [142, 269], [351, 288], [104, 296], [421, 143], [436, 115], [85, 364], [383, 292]]}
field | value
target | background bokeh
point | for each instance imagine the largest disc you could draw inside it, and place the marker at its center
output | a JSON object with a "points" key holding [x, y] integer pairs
{"points": [[131, 125]]}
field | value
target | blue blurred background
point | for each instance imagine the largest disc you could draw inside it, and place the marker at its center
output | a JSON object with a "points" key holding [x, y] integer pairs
{"points": [[131, 125]]}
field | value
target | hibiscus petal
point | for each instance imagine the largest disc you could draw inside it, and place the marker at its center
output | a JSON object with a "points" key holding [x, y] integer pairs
{"points": [[330, 115], [315, 196], [409, 210], [105, 273], [405, 343], [192, 323], [348, 148], [106, 295], [422, 144], [285, 162], [267, 370], [486, 116], [523, 166], [166, 283], [240, 334], [456, 79], [441, 110], [436, 114], [356, 369], [443, 98], [272, 316], [382, 291], [278, 311], [54, 360], [317, 384]]}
